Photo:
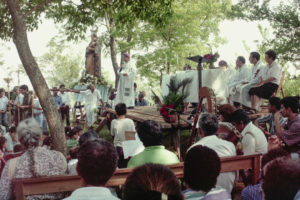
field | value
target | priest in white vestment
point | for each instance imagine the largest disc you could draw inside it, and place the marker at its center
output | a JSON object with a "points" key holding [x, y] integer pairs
{"points": [[242, 74], [255, 73], [125, 92]]}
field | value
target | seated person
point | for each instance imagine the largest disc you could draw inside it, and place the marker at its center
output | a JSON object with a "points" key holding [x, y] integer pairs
{"points": [[141, 101], [150, 134], [11, 138], [253, 192], [118, 128], [269, 80], [72, 163], [208, 124], [225, 111], [152, 182], [242, 73], [202, 166], [274, 110], [281, 179], [253, 79], [97, 162], [87, 136], [35, 162], [254, 140], [290, 133], [73, 137]]}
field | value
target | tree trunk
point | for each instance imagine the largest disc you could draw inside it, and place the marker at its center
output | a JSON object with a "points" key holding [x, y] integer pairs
{"points": [[37, 80], [113, 55]]}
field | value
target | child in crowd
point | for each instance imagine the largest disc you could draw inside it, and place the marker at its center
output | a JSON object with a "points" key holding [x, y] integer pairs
{"points": [[73, 136], [118, 128]]}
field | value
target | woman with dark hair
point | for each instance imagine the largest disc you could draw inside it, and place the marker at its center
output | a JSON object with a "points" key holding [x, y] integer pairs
{"points": [[73, 137], [35, 162], [152, 182]]}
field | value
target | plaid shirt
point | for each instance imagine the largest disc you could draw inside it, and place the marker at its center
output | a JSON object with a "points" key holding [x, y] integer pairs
{"points": [[269, 119]]}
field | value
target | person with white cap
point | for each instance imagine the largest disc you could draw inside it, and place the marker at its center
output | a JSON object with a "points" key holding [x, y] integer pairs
{"points": [[125, 91]]}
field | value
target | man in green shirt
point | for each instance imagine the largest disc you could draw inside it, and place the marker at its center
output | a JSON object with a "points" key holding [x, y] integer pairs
{"points": [[150, 133]]}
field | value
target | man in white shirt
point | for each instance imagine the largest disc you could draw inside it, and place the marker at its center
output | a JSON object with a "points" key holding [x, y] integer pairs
{"points": [[268, 82], [208, 126], [125, 92], [242, 73], [11, 138], [66, 104], [37, 110], [254, 141], [97, 162], [3, 109], [91, 102], [252, 79], [118, 128]]}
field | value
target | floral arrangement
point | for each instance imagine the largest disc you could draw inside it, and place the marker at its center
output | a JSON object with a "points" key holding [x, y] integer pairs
{"points": [[87, 78], [210, 59], [176, 97]]}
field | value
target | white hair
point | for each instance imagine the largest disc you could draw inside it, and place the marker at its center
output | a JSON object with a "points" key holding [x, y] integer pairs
{"points": [[29, 132]]}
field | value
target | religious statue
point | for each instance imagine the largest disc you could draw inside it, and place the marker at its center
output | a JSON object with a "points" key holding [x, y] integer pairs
{"points": [[92, 55]]}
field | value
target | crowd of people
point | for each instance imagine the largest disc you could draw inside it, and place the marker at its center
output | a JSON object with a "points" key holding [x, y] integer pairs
{"points": [[25, 150]]}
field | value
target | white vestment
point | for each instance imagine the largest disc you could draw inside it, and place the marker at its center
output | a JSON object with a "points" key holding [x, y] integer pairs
{"points": [[256, 72], [91, 103], [125, 92], [242, 75]]}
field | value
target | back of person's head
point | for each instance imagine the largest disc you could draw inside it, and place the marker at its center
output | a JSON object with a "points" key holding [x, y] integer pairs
{"points": [[152, 182], [271, 54], [202, 166], [74, 131], [18, 148], [121, 109], [67, 130], [273, 154], [12, 129], [208, 124], [29, 133], [150, 133], [255, 55], [24, 87], [74, 152], [87, 136], [292, 103], [225, 110], [241, 59], [1, 90], [61, 86], [97, 162], [2, 142], [281, 179], [239, 116], [275, 101]]}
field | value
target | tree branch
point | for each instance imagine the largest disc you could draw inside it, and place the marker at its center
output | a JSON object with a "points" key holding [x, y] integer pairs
{"points": [[38, 7]]}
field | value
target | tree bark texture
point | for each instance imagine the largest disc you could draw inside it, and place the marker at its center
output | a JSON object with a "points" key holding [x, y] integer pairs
{"points": [[113, 55], [37, 80]]}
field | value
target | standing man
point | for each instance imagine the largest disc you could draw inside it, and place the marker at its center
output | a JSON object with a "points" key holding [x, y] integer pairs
{"points": [[66, 104], [92, 98], [241, 75], [57, 99], [3, 109], [252, 80], [26, 107], [125, 92], [269, 81]]}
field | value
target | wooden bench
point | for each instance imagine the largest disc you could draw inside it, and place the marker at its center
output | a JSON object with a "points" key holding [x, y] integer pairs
{"points": [[44, 185]]}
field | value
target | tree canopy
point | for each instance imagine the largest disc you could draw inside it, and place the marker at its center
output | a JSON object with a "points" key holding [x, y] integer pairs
{"points": [[284, 19]]}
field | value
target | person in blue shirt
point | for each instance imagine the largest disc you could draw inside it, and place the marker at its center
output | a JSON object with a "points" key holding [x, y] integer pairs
{"points": [[57, 99]]}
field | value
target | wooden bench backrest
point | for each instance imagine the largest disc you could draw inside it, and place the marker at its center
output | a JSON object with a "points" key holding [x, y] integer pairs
{"points": [[44, 185]]}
